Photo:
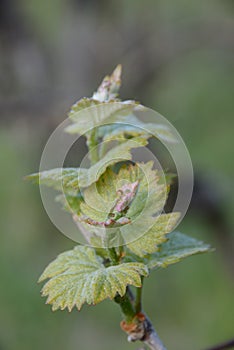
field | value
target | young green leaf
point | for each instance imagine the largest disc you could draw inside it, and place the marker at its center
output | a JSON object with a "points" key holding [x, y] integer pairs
{"points": [[117, 154], [79, 276], [109, 88], [107, 91], [107, 196], [82, 104], [108, 211], [117, 205], [61, 179], [70, 180], [148, 242], [177, 248], [127, 126], [115, 121], [98, 114]]}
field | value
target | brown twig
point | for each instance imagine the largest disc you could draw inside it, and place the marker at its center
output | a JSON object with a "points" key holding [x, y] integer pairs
{"points": [[141, 329], [151, 338]]}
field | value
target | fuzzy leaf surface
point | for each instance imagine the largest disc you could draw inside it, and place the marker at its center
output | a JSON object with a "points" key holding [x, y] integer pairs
{"points": [[119, 153], [115, 121], [137, 218], [98, 114], [104, 102], [127, 126], [108, 90], [71, 179], [177, 248], [61, 179], [148, 242], [101, 198], [79, 276]]}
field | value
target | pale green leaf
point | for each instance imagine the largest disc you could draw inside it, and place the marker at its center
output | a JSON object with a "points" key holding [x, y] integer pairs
{"points": [[81, 105], [137, 217], [147, 204], [127, 126], [152, 191], [100, 199], [79, 276], [61, 179], [108, 90], [177, 248], [149, 241], [104, 108], [70, 180], [117, 154], [115, 121], [97, 115]]}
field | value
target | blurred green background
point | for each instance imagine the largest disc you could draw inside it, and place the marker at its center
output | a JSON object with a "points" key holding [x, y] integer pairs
{"points": [[177, 58]]}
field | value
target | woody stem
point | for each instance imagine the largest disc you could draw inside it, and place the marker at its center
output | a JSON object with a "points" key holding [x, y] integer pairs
{"points": [[138, 327]]}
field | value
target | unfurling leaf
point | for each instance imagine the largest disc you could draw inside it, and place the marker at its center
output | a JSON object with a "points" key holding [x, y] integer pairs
{"points": [[81, 105], [107, 91], [126, 126], [126, 193], [71, 179], [118, 205], [177, 248], [97, 114], [110, 85], [79, 276], [127, 199], [117, 154], [114, 118], [148, 242], [61, 179]]}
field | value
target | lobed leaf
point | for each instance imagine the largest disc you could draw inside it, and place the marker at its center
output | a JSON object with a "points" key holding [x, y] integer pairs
{"points": [[61, 179], [82, 104], [137, 215], [107, 91], [102, 198], [97, 115], [115, 121], [177, 248], [128, 126], [79, 276], [119, 153], [70, 180], [148, 243]]}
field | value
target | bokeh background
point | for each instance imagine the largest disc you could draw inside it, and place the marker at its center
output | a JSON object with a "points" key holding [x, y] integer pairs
{"points": [[178, 58]]}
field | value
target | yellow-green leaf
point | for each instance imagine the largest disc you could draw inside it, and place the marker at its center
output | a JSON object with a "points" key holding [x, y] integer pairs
{"points": [[177, 248], [79, 276], [61, 179], [97, 115], [149, 241], [71, 179]]}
